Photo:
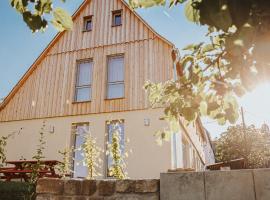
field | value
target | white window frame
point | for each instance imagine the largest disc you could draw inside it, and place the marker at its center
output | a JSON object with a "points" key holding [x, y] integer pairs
{"points": [[73, 145], [89, 86], [116, 82]]}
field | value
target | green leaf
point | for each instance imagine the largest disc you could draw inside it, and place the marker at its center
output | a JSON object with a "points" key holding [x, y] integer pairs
{"points": [[189, 113], [186, 60], [19, 5], [203, 108], [62, 20], [189, 47], [44, 6], [191, 13], [207, 48], [34, 22], [212, 106], [146, 3], [221, 121]]}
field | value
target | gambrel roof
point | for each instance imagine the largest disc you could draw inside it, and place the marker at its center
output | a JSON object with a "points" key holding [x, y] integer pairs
{"points": [[55, 40]]}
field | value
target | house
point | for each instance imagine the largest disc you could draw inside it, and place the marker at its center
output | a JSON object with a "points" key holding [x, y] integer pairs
{"points": [[90, 77], [209, 150]]}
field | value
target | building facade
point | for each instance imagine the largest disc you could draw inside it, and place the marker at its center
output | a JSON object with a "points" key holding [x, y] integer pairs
{"points": [[91, 76]]}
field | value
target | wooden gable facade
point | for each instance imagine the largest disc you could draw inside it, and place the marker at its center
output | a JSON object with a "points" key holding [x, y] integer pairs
{"points": [[47, 89]]}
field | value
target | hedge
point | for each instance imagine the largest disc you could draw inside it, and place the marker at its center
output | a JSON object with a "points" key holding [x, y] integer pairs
{"points": [[16, 191]]}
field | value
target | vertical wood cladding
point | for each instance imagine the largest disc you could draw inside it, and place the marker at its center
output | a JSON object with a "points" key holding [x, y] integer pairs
{"points": [[49, 90]]}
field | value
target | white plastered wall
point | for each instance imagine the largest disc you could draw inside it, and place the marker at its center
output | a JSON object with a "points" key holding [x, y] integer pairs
{"points": [[147, 160]]}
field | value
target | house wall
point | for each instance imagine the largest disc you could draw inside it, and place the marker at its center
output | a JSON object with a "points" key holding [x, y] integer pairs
{"points": [[47, 90], [147, 159]]}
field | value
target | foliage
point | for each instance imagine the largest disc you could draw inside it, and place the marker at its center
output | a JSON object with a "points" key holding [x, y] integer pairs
{"points": [[35, 14], [118, 165], [248, 143], [17, 190], [91, 156], [64, 167], [39, 155], [3, 144], [164, 135], [211, 75]]}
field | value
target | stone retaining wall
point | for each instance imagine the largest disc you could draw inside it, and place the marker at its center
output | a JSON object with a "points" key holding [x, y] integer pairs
{"points": [[209, 185], [55, 189], [216, 185]]}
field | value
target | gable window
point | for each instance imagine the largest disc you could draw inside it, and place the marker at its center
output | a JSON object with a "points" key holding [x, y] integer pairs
{"points": [[84, 81], [79, 131], [115, 126], [87, 23], [117, 18], [115, 77]]}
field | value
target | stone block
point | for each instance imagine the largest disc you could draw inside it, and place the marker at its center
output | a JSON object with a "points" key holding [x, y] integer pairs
{"points": [[149, 196], [147, 186], [89, 187], [262, 183], [96, 198], [53, 197], [182, 186], [73, 187], [106, 188], [50, 186], [62, 198], [229, 185], [43, 197], [80, 198], [125, 186]]}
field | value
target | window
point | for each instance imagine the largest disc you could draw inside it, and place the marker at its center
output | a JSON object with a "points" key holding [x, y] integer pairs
{"points": [[115, 77], [79, 131], [117, 18], [87, 23], [176, 150], [112, 127], [84, 81]]}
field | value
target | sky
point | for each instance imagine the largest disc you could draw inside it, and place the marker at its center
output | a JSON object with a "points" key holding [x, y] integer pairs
{"points": [[19, 48]]}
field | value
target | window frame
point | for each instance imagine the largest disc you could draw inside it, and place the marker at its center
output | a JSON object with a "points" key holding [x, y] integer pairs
{"points": [[117, 82], [78, 62], [116, 13], [73, 138], [85, 20], [107, 135]]}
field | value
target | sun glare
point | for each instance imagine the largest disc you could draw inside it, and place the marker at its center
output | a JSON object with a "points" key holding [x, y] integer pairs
{"points": [[256, 105]]}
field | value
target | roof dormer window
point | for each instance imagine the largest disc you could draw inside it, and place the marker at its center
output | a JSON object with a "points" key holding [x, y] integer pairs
{"points": [[117, 18]]}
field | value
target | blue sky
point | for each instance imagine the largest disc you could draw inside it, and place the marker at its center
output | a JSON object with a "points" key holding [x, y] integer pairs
{"points": [[19, 48]]}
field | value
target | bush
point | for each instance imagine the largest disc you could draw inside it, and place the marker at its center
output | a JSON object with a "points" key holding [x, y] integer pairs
{"points": [[17, 191]]}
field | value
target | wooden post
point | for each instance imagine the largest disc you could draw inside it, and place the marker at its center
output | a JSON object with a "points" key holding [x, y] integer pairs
{"points": [[244, 131]]}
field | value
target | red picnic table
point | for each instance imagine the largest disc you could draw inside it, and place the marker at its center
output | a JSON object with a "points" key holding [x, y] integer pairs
{"points": [[22, 169]]}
